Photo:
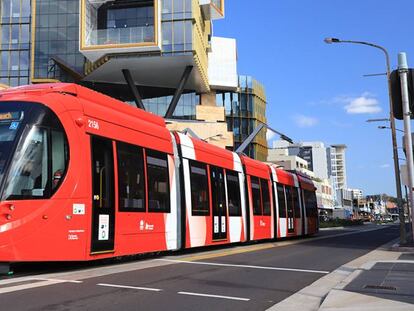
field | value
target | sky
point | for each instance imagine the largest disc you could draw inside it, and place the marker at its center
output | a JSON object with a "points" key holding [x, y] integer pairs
{"points": [[316, 91]]}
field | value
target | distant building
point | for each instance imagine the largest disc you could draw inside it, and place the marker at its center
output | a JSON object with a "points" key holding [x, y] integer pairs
{"points": [[324, 196], [288, 162], [314, 153], [337, 166]]}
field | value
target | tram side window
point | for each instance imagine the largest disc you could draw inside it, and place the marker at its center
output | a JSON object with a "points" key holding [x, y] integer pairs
{"points": [[233, 189], [281, 201], [28, 178], [296, 204], [158, 182], [255, 183], [199, 189], [131, 180], [265, 197], [311, 204], [60, 155]]}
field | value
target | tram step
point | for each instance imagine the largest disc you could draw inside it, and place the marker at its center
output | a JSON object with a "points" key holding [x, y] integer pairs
{"points": [[5, 268]]}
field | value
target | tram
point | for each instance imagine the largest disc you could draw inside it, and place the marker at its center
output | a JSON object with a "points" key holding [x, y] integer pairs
{"points": [[84, 176]]}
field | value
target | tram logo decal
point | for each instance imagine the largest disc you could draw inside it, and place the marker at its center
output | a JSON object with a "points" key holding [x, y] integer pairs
{"points": [[144, 226]]}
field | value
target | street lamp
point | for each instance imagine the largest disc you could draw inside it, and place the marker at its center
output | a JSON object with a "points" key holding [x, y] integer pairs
{"points": [[403, 239], [382, 127]]}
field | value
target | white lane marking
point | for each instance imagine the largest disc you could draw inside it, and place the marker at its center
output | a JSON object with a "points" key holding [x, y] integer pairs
{"points": [[130, 287], [213, 296], [245, 266], [56, 280]]}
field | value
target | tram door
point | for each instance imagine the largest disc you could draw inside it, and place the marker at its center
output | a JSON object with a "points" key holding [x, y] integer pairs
{"points": [[218, 203], [290, 209], [103, 204]]}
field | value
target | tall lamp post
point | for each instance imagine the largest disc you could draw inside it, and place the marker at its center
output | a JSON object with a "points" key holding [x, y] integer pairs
{"points": [[403, 238]]}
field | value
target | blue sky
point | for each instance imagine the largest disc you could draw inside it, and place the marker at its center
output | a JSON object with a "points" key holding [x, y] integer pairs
{"points": [[317, 91]]}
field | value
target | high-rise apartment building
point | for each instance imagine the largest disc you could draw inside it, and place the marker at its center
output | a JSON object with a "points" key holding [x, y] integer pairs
{"points": [[164, 44], [337, 166]]}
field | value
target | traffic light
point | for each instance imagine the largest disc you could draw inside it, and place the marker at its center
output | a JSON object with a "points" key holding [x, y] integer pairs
{"points": [[396, 93]]}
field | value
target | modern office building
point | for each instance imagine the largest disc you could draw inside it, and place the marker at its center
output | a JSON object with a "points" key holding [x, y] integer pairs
{"points": [[173, 60], [245, 110], [14, 42]]}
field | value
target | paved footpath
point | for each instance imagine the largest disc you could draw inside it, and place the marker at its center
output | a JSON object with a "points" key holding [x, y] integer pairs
{"points": [[382, 280]]}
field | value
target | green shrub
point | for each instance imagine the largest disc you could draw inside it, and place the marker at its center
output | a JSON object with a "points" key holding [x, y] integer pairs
{"points": [[341, 223]]}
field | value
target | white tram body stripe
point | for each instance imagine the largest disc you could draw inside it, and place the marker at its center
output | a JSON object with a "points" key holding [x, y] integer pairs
{"points": [[238, 167], [187, 147], [236, 223], [295, 178], [283, 227], [171, 220]]}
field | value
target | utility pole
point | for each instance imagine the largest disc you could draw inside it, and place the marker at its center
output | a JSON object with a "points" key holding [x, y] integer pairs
{"points": [[403, 238], [403, 72]]}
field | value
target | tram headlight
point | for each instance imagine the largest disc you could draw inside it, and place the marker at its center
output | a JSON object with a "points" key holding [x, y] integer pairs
{"points": [[8, 216]]}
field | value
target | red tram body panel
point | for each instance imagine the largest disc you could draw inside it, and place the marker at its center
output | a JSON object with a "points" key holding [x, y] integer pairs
{"points": [[84, 176], [260, 199]]}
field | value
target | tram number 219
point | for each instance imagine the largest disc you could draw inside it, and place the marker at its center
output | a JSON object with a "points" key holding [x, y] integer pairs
{"points": [[93, 124]]}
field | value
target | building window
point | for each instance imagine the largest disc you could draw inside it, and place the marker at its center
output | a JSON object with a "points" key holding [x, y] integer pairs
{"points": [[131, 179], [158, 182], [199, 189], [233, 190], [14, 38]]}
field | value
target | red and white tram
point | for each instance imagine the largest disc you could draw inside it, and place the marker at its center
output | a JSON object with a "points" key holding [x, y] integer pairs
{"points": [[84, 177]]}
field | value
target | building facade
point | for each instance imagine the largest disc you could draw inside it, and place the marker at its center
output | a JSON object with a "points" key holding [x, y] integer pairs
{"points": [[15, 21], [337, 166], [245, 110], [314, 153], [281, 157], [162, 44]]}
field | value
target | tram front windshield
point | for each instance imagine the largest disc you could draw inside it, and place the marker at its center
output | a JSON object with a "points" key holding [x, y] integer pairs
{"points": [[34, 152], [9, 125]]}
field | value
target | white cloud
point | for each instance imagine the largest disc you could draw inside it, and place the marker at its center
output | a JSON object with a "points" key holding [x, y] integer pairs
{"points": [[384, 166], [364, 104], [305, 121]]}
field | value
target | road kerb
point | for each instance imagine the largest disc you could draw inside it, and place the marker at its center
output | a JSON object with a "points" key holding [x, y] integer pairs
{"points": [[311, 298]]}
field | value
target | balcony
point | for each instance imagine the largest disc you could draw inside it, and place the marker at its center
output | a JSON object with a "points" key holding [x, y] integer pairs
{"points": [[114, 27], [212, 9]]}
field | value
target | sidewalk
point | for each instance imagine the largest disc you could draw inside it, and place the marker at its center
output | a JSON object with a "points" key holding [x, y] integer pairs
{"points": [[381, 280]]}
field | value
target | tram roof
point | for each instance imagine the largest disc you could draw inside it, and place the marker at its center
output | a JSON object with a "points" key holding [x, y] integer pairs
{"points": [[255, 167], [87, 94]]}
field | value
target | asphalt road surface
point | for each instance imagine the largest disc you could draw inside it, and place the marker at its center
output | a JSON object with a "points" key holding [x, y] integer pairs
{"points": [[226, 279]]}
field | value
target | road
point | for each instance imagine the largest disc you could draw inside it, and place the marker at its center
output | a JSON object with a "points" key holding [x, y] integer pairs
{"points": [[244, 278]]}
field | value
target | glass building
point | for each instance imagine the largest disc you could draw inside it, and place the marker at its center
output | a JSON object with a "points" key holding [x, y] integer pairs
{"points": [[245, 110], [14, 42], [90, 41]]}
